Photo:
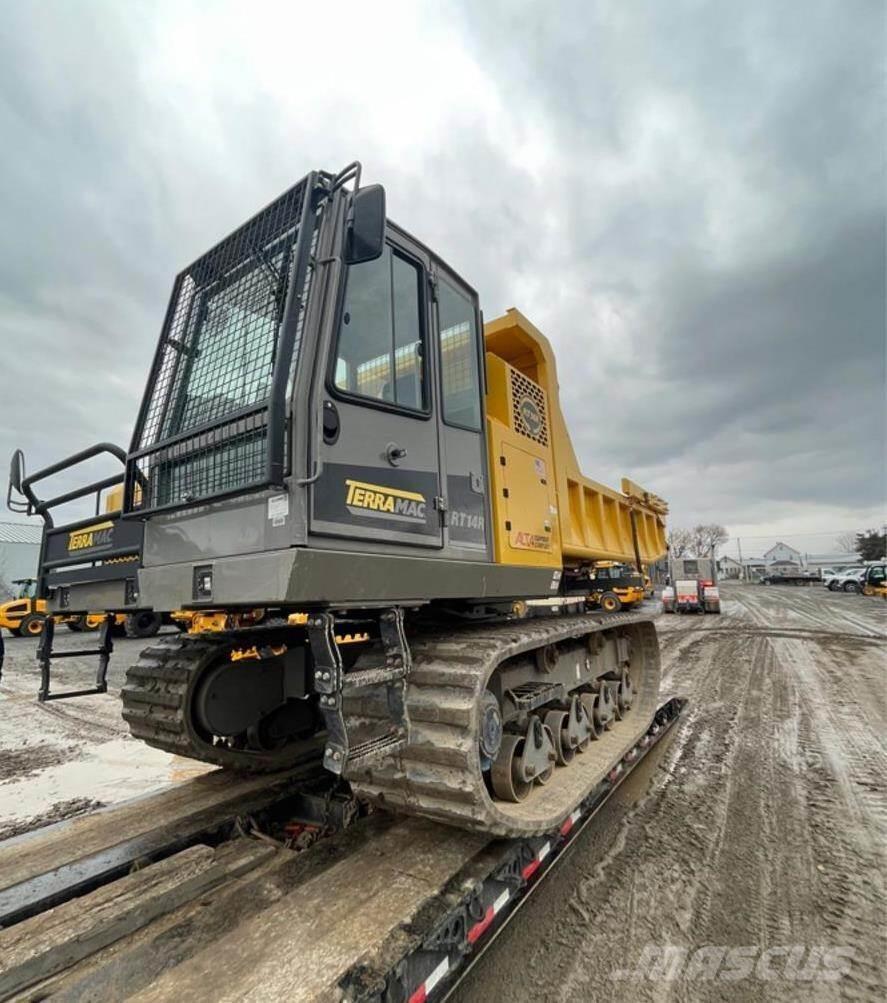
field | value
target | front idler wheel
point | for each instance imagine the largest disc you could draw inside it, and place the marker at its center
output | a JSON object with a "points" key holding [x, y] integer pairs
{"points": [[490, 730]]}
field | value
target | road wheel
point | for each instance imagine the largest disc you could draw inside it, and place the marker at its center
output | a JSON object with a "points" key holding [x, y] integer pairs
{"points": [[832, 586], [610, 602], [851, 586], [143, 624], [32, 625]]}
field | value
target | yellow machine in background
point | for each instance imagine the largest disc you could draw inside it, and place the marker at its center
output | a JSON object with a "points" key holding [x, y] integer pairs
{"points": [[23, 615], [616, 586], [875, 581]]}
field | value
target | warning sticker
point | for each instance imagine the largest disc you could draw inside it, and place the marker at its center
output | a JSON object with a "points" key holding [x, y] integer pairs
{"points": [[278, 509]]}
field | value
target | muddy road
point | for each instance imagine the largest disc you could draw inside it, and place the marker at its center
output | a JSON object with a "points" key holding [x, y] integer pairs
{"points": [[757, 835], [65, 757], [742, 861]]}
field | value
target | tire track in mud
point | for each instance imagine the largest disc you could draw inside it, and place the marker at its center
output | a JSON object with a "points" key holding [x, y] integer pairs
{"points": [[761, 822], [846, 795]]}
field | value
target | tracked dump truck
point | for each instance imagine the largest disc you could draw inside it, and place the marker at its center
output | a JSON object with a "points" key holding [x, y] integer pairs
{"points": [[329, 429]]}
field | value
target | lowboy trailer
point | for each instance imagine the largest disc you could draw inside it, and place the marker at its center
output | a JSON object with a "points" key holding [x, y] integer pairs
{"points": [[233, 888]]}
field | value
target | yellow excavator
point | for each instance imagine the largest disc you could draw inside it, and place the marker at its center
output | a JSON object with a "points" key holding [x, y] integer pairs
{"points": [[329, 430]]}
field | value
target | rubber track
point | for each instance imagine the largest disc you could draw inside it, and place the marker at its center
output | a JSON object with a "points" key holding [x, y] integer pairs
{"points": [[156, 696], [438, 774]]}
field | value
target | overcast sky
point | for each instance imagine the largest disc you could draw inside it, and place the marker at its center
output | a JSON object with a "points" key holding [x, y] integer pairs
{"points": [[688, 198]]}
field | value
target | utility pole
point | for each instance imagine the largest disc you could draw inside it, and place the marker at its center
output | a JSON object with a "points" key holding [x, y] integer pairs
{"points": [[741, 565]]}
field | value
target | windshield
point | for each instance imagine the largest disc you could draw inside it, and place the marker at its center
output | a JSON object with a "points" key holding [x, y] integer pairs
{"points": [[214, 371], [230, 354]]}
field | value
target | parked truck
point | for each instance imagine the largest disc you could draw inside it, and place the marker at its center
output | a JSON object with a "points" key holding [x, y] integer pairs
{"points": [[692, 586]]}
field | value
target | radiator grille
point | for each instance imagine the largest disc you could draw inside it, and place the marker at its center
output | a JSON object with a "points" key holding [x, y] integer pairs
{"points": [[528, 408]]}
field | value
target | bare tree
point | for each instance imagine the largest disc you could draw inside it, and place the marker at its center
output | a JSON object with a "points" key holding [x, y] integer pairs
{"points": [[846, 543], [679, 542], [705, 540]]}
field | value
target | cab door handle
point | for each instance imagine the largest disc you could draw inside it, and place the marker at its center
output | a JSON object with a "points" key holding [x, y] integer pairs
{"points": [[394, 453]]}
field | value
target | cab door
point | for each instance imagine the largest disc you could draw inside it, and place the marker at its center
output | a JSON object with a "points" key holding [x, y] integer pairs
{"points": [[379, 461], [463, 441]]}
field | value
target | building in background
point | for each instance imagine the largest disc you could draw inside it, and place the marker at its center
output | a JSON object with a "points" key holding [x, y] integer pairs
{"points": [[782, 553], [753, 567], [834, 562], [783, 559], [19, 550], [729, 568]]}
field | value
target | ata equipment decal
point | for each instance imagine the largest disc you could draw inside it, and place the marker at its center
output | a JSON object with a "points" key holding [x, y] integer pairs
{"points": [[383, 502], [528, 409], [530, 541]]}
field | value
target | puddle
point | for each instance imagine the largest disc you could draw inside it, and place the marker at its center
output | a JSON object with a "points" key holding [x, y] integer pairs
{"points": [[108, 773]]}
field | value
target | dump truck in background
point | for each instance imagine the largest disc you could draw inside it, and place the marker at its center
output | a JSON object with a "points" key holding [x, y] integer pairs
{"points": [[692, 586], [329, 430]]}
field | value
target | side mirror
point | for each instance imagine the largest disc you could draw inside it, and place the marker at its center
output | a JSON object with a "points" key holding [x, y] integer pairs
{"points": [[16, 477], [17, 470], [365, 239]]}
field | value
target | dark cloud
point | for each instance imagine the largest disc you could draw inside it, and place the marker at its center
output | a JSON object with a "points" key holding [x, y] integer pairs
{"points": [[688, 198]]}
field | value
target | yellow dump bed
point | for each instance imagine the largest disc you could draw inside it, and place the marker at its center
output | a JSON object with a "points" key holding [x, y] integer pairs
{"points": [[546, 512]]}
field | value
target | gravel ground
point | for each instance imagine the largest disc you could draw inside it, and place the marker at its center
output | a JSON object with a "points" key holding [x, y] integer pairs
{"points": [[760, 826]]}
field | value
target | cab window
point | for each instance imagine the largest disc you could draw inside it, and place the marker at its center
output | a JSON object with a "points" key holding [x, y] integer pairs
{"points": [[380, 350], [458, 358]]}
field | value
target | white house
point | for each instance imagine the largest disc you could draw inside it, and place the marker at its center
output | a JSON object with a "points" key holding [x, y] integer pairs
{"points": [[729, 567], [782, 552]]}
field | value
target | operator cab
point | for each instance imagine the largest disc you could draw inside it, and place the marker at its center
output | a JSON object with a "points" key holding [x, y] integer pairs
{"points": [[319, 381], [402, 456], [27, 588]]}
